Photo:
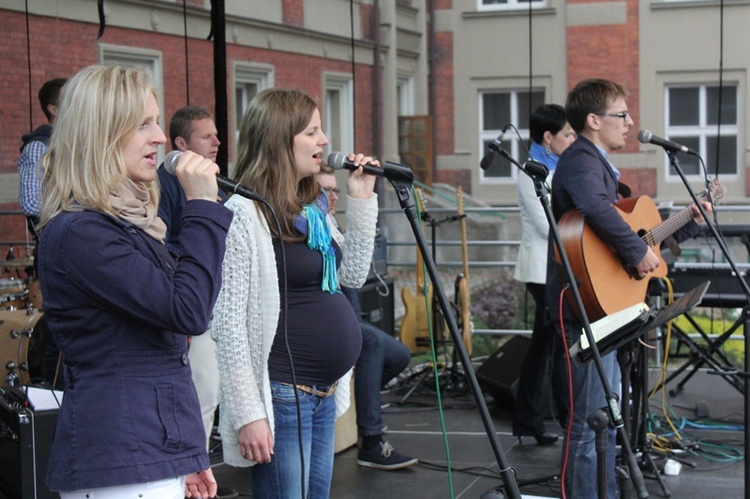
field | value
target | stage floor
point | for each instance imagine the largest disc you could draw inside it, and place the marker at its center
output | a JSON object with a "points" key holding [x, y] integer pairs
{"points": [[414, 428]]}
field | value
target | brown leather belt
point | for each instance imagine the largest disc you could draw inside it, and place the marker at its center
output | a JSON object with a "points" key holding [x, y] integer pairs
{"points": [[314, 391]]}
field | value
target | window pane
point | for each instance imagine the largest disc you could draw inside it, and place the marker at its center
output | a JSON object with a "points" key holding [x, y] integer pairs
{"points": [[500, 167], [683, 107], [496, 109], [727, 155], [728, 105], [690, 164], [524, 111]]}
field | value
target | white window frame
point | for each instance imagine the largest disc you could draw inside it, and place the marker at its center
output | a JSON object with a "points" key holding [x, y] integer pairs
{"points": [[146, 58], [243, 73], [511, 141], [343, 85], [510, 5], [702, 129]]}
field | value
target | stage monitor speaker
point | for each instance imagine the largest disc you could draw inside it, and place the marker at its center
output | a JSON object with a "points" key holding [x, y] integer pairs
{"points": [[499, 374], [25, 450], [376, 308]]}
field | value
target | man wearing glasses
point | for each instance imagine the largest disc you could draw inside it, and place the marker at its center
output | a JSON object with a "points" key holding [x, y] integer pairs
{"points": [[586, 180]]}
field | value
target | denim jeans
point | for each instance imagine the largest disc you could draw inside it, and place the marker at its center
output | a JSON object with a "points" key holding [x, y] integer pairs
{"points": [[382, 358], [282, 477], [588, 395]]}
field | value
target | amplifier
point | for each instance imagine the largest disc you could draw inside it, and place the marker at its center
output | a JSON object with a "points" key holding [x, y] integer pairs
{"points": [[24, 450], [376, 302], [378, 266]]}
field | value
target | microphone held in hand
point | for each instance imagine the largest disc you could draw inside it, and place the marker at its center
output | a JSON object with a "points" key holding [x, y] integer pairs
{"points": [[392, 171], [646, 137], [224, 183]]}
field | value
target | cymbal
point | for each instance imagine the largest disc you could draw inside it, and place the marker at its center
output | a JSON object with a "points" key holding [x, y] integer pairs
{"points": [[27, 261]]}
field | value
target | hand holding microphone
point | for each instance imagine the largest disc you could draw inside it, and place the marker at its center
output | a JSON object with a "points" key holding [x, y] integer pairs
{"points": [[196, 168]]}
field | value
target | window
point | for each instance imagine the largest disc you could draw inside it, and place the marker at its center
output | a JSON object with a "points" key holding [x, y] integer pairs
{"points": [[485, 5], [249, 79], [338, 114], [692, 119], [138, 57], [405, 95], [497, 109]]}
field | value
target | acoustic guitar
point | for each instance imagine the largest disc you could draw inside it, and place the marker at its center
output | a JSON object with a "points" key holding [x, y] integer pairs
{"points": [[417, 309], [606, 284], [462, 280]]}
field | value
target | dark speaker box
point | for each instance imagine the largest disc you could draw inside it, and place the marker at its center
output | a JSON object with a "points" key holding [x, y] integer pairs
{"points": [[499, 374], [25, 452], [376, 301]]}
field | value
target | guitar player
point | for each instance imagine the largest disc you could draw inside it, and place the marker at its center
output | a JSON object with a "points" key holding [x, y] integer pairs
{"points": [[585, 180]]}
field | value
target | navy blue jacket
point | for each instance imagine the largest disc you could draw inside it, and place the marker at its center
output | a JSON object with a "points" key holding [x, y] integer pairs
{"points": [[585, 181], [120, 307]]}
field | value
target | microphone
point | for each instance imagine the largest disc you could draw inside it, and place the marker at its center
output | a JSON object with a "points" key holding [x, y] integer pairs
{"points": [[494, 146], [392, 171], [225, 183], [646, 137]]}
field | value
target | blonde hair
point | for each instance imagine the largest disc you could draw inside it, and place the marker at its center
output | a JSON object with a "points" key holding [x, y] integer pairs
{"points": [[100, 108], [265, 159]]}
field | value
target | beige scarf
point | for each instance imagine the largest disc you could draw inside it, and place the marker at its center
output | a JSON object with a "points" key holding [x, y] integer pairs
{"points": [[133, 204]]}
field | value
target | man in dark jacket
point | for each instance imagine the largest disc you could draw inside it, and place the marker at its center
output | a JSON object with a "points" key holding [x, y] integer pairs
{"points": [[586, 181]]}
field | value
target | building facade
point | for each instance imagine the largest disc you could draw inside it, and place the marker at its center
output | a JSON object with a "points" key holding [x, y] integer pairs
{"points": [[470, 66]]}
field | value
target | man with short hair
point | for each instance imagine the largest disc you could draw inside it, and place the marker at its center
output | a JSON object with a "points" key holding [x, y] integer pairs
{"points": [[192, 128], [585, 180], [34, 146]]}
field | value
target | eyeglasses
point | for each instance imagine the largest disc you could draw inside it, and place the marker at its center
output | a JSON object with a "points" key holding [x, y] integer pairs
{"points": [[329, 190], [624, 115]]}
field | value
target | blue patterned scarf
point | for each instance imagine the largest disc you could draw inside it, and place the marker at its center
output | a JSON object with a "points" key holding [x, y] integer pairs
{"points": [[312, 223]]}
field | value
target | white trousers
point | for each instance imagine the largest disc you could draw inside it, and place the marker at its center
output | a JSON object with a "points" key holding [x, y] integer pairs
{"points": [[170, 488], [205, 369]]}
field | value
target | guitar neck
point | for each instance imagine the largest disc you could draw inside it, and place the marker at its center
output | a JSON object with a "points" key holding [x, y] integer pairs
{"points": [[673, 223], [668, 227]]}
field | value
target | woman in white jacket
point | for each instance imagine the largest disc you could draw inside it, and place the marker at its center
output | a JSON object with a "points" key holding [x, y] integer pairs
{"points": [[550, 136], [280, 361]]}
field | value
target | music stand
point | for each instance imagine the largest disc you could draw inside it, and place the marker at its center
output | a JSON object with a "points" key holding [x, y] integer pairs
{"points": [[639, 326]]}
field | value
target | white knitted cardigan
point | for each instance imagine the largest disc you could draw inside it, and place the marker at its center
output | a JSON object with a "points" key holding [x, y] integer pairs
{"points": [[247, 312]]}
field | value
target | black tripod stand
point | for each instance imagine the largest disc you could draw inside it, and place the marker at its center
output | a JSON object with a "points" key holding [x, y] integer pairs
{"points": [[451, 379]]}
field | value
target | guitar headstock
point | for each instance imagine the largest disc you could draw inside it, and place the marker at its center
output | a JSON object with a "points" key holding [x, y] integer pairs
{"points": [[716, 191], [421, 201]]}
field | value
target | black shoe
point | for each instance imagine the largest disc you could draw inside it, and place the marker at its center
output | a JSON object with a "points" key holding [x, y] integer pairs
{"points": [[545, 438], [383, 457]]}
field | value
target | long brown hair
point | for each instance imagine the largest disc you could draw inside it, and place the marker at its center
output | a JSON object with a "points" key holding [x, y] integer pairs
{"points": [[265, 160]]}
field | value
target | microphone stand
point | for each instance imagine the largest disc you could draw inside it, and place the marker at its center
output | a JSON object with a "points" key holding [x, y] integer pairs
{"points": [[402, 183], [745, 311], [538, 173]]}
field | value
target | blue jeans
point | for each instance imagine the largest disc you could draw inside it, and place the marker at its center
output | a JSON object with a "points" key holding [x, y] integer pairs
{"points": [[382, 358], [282, 477], [588, 395]]}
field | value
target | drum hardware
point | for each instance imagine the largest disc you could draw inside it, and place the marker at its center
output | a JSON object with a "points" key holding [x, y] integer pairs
{"points": [[16, 329], [27, 261]]}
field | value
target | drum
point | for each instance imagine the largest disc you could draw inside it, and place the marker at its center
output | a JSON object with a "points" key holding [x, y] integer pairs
{"points": [[34, 296], [12, 294], [16, 333]]}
